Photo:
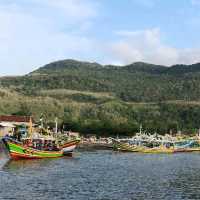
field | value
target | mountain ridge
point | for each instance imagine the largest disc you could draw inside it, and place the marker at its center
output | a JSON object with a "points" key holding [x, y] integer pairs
{"points": [[133, 67], [137, 82], [103, 99]]}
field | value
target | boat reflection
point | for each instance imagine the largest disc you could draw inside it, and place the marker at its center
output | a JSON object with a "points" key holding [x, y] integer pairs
{"points": [[13, 165], [31, 164]]}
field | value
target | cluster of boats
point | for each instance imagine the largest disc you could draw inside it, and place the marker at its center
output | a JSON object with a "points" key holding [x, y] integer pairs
{"points": [[146, 143], [35, 145], [52, 145]]}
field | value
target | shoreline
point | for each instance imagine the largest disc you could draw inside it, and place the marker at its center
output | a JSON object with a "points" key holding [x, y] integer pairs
{"points": [[94, 146]]}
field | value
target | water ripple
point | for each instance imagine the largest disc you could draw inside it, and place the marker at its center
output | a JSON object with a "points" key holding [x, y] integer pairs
{"points": [[103, 175]]}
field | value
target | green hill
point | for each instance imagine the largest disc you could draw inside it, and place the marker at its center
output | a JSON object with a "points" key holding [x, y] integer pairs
{"points": [[138, 82], [108, 99]]}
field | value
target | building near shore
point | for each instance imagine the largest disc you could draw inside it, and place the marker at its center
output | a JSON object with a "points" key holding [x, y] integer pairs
{"points": [[9, 123]]}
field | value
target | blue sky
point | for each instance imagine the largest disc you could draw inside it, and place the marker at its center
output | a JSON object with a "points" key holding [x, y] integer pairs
{"points": [[36, 32]]}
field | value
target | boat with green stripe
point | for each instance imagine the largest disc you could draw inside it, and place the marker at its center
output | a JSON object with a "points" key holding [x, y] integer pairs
{"points": [[18, 150], [120, 146]]}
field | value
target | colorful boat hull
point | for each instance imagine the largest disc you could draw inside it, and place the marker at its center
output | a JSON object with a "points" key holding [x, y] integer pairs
{"points": [[120, 146], [158, 150], [19, 151], [185, 150], [69, 146]]}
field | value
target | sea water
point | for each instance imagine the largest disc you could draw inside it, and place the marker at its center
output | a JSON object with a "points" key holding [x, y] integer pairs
{"points": [[103, 175]]}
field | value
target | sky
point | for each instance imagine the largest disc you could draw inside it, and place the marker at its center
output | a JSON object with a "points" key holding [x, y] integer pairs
{"points": [[36, 32]]}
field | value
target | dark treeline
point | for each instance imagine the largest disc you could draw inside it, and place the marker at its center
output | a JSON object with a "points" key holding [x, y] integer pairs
{"points": [[119, 118], [126, 120]]}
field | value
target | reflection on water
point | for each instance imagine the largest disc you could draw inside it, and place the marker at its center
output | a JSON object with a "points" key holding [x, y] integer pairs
{"points": [[103, 175], [14, 165], [32, 164], [4, 157]]}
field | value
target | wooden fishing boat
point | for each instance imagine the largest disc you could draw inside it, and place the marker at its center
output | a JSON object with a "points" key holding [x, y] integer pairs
{"points": [[18, 150], [185, 150], [121, 146], [187, 146], [69, 146], [160, 149], [145, 143]]}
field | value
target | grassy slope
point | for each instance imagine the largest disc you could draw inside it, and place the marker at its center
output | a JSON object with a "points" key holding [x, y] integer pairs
{"points": [[139, 82], [103, 99]]}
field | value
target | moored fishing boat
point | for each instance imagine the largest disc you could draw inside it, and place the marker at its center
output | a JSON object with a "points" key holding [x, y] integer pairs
{"points": [[160, 149], [19, 150], [70, 145], [187, 146], [39, 145], [121, 146], [157, 144]]}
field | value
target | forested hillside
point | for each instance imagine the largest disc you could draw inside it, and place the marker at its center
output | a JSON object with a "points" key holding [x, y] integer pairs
{"points": [[138, 82], [92, 98]]}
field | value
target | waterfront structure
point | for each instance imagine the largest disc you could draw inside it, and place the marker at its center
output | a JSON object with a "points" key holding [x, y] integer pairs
{"points": [[8, 123]]}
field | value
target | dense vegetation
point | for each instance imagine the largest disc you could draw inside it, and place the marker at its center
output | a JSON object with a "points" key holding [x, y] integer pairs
{"points": [[92, 98]]}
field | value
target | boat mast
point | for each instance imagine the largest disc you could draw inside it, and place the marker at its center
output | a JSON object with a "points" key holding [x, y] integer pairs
{"points": [[140, 129], [41, 121], [56, 123], [30, 131]]}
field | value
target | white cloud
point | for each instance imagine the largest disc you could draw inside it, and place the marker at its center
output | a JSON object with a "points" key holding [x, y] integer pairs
{"points": [[189, 56], [75, 9], [36, 32], [147, 46], [42, 31]]}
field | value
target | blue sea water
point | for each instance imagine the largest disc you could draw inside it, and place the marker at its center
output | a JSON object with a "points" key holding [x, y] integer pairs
{"points": [[102, 175]]}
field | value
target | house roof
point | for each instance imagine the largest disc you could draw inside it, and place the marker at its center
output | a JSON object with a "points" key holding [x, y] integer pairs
{"points": [[14, 118]]}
